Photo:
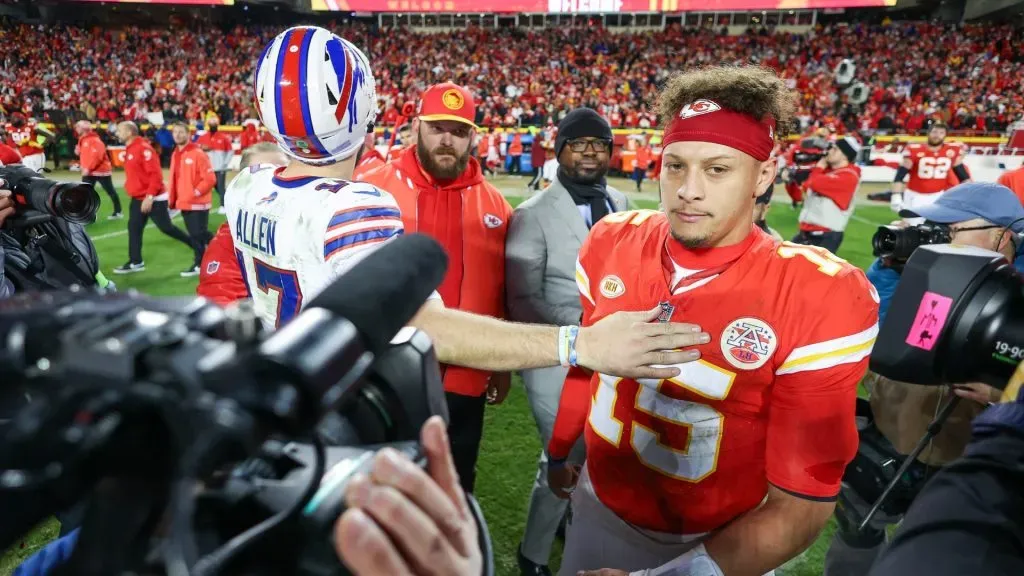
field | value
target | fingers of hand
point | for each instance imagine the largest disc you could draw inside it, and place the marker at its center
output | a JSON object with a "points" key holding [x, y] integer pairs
{"points": [[663, 373], [669, 357], [440, 463], [674, 341], [661, 328], [393, 470], [416, 535], [365, 548]]}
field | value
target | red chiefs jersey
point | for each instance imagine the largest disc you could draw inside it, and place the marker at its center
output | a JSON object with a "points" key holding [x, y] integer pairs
{"points": [[771, 400], [24, 139], [932, 167]]}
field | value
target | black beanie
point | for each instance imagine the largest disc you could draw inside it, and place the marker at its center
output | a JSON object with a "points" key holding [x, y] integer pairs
{"points": [[581, 123]]}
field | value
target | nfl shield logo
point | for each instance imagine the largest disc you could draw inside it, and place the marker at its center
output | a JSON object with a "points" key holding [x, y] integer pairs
{"points": [[212, 267], [666, 312]]}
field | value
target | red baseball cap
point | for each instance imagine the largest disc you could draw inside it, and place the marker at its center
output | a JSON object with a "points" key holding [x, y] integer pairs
{"points": [[447, 101]]}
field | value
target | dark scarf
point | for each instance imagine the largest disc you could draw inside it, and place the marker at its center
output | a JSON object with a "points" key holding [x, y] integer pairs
{"points": [[593, 195]]}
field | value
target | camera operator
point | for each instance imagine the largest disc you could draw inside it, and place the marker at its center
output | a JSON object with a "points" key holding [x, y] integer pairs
{"points": [[969, 519], [828, 202], [975, 214]]}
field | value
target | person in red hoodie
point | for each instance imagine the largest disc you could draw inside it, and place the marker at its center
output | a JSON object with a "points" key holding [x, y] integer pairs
{"points": [[219, 148], [369, 158], [829, 196], [192, 181], [144, 182], [220, 278], [442, 193], [249, 137], [95, 163]]}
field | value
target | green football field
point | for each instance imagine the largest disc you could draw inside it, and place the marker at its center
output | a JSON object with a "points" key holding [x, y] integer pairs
{"points": [[510, 446]]}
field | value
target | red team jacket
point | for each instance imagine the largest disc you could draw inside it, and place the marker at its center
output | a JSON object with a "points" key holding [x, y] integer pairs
{"points": [[220, 277], [469, 218], [770, 400], [932, 169], [92, 155], [142, 174]]}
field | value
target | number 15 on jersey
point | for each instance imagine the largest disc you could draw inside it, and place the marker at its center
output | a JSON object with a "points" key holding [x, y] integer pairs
{"points": [[273, 282]]}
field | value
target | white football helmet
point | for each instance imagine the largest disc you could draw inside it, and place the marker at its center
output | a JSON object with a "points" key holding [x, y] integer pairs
{"points": [[316, 94]]}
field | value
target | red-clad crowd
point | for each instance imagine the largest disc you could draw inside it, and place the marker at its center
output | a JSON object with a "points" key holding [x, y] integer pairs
{"points": [[970, 75]]}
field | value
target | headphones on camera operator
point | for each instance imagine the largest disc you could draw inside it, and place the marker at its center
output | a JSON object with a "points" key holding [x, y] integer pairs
{"points": [[45, 243]]}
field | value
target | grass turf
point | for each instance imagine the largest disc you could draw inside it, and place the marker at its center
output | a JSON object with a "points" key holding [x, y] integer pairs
{"points": [[510, 445]]}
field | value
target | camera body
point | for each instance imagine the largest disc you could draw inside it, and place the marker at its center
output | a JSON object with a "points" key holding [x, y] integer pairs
{"points": [[35, 196], [208, 416], [45, 246]]}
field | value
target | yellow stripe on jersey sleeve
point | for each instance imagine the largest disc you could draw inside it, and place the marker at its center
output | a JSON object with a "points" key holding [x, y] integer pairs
{"points": [[583, 282], [830, 353]]}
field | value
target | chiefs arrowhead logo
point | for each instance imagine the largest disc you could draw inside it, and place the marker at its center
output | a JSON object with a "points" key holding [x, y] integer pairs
{"points": [[697, 108], [492, 221]]}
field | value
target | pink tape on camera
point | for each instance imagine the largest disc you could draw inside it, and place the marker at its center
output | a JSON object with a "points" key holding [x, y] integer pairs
{"points": [[930, 319]]}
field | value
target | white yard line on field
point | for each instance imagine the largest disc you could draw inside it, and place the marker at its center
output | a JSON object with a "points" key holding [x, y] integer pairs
{"points": [[122, 232]]}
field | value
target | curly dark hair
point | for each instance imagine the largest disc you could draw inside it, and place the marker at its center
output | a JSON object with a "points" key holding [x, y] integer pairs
{"points": [[753, 90]]}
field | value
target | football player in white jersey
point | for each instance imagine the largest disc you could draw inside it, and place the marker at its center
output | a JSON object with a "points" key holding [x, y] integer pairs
{"points": [[296, 228]]}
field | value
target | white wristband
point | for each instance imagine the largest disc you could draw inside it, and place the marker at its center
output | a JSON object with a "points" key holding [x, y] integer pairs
{"points": [[563, 346]]}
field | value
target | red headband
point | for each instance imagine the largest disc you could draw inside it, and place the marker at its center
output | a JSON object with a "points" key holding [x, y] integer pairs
{"points": [[706, 121]]}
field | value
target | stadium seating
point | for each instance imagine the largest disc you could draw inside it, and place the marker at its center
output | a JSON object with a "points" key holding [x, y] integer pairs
{"points": [[970, 75]]}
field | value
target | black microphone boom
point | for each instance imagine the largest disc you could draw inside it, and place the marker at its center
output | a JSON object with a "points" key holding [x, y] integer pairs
{"points": [[383, 292]]}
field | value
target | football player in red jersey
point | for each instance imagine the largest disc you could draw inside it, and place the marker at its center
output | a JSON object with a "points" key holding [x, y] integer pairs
{"points": [[25, 134], [929, 166], [732, 467]]}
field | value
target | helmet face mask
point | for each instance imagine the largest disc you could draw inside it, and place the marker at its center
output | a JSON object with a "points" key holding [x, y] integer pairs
{"points": [[316, 94]]}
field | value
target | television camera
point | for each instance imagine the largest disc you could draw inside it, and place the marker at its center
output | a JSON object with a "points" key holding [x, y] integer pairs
{"points": [[194, 436], [957, 316]]}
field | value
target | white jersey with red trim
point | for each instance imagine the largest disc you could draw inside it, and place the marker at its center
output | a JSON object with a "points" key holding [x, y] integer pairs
{"points": [[294, 236]]}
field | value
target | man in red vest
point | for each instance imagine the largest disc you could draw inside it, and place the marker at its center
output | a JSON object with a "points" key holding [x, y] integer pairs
{"points": [[442, 193]]}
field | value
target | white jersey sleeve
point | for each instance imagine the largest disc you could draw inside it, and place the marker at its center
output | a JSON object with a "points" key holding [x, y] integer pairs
{"points": [[359, 218]]}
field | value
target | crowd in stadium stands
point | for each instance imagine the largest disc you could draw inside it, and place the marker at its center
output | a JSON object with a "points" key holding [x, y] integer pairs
{"points": [[969, 75]]}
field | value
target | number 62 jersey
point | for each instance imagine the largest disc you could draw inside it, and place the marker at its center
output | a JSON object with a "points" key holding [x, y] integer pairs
{"points": [[771, 400]]}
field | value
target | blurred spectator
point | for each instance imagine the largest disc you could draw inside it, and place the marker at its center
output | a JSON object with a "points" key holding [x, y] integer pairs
{"points": [[219, 148], [968, 75], [94, 162], [8, 155], [1014, 180], [829, 196], [192, 180], [144, 182]]}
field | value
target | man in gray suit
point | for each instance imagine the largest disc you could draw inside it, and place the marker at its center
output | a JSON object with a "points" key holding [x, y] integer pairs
{"points": [[543, 240]]}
